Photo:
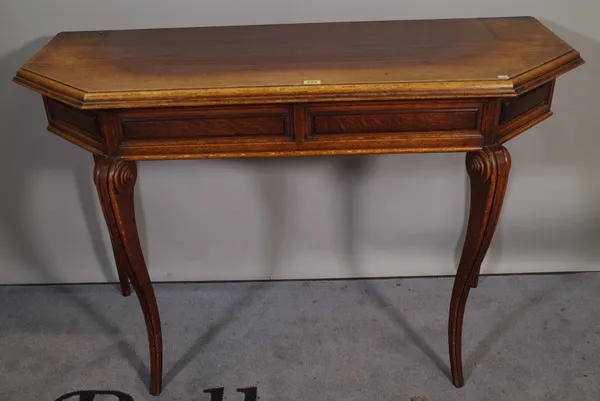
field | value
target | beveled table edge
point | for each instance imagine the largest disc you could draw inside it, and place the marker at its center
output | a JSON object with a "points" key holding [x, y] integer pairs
{"points": [[500, 88]]}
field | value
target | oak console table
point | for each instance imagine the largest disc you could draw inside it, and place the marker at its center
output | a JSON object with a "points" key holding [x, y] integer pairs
{"points": [[465, 85]]}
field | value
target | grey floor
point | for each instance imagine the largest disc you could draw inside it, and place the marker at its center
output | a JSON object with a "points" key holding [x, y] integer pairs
{"points": [[526, 338]]}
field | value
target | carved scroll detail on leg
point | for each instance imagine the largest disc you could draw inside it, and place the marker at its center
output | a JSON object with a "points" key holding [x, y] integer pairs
{"points": [[116, 180], [488, 171], [121, 259]]}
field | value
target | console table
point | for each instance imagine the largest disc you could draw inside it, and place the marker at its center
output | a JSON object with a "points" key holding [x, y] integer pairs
{"points": [[464, 85]]}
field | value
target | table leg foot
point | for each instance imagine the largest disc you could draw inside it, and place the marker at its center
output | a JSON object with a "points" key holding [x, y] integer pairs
{"points": [[488, 171], [115, 180], [475, 281]]}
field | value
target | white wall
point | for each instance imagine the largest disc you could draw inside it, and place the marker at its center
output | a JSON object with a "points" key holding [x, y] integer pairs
{"points": [[393, 215]]}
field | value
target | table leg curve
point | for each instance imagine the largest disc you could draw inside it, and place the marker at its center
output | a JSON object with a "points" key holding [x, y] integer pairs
{"points": [[121, 260], [488, 170], [115, 180]]}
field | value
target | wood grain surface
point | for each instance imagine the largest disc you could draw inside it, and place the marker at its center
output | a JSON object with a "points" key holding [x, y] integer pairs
{"points": [[274, 63]]}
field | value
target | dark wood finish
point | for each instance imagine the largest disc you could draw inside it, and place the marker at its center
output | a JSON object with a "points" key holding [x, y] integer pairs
{"points": [[488, 170], [115, 180], [248, 131], [299, 90], [121, 259], [77, 126], [526, 111], [432, 120], [208, 124], [391, 117], [512, 109], [84, 121]]}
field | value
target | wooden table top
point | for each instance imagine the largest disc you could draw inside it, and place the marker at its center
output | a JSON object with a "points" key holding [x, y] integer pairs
{"points": [[296, 62]]}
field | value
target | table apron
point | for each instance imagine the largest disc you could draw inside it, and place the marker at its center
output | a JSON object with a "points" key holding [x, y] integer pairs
{"points": [[309, 129]]}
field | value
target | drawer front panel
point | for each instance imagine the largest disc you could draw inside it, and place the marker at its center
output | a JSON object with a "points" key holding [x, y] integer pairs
{"points": [[302, 129], [209, 125], [394, 122], [385, 119]]}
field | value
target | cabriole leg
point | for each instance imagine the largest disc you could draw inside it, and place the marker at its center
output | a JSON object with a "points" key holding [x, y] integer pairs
{"points": [[121, 259], [115, 180], [488, 171]]}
